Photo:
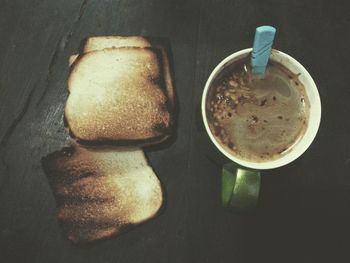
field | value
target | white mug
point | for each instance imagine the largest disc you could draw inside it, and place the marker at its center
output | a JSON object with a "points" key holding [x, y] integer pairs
{"points": [[315, 110]]}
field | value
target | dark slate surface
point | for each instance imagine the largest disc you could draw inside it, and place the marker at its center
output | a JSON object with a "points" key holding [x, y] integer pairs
{"points": [[303, 213]]}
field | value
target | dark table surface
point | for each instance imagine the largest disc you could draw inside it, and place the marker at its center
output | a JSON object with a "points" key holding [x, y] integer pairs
{"points": [[303, 212]]}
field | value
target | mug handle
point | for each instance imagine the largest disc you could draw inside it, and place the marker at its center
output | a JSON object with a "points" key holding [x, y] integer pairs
{"points": [[240, 187]]}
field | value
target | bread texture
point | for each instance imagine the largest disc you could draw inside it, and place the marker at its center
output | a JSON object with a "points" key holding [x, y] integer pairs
{"points": [[117, 95], [102, 42], [102, 192], [72, 59]]}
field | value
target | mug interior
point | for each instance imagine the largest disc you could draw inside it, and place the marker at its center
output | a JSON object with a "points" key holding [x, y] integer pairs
{"points": [[315, 109]]}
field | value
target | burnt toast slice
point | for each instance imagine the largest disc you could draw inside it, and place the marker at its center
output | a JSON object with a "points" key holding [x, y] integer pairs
{"points": [[102, 192]]}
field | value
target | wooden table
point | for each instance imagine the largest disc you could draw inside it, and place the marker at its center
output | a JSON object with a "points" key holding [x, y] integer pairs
{"points": [[303, 212]]}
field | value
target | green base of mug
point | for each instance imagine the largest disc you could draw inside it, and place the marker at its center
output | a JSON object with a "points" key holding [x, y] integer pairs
{"points": [[240, 187]]}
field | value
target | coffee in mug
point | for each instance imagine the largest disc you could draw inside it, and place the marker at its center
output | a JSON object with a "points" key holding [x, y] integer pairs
{"points": [[257, 118]]}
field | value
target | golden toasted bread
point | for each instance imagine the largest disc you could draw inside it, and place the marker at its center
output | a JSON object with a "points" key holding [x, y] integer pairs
{"points": [[117, 95]]}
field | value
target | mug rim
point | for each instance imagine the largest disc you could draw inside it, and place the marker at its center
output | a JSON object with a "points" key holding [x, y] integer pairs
{"points": [[304, 142]]}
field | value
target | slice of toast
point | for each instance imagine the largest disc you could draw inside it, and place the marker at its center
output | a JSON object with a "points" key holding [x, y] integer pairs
{"points": [[117, 95], [102, 192], [102, 42]]}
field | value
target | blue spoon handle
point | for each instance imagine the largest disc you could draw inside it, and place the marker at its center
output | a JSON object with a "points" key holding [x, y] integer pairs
{"points": [[264, 36]]}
